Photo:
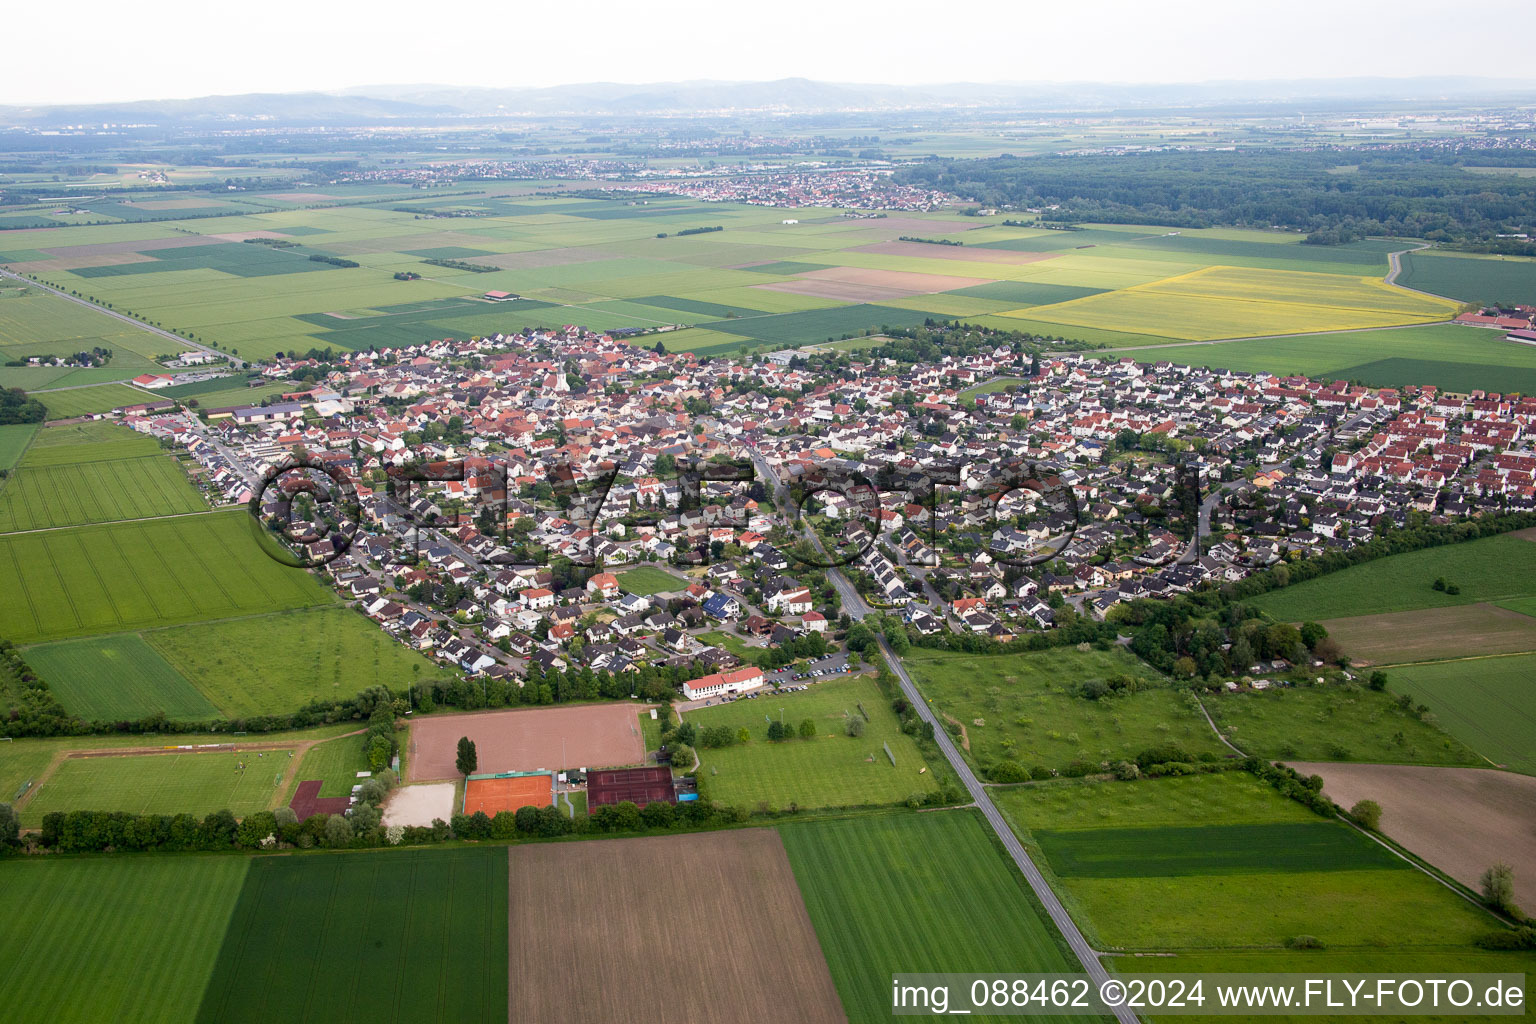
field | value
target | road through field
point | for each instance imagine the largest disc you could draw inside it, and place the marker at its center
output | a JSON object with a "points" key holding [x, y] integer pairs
{"points": [[184, 343], [855, 606]]}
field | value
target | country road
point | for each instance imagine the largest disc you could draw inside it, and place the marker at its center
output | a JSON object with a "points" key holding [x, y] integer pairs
{"points": [[855, 606], [181, 343]]}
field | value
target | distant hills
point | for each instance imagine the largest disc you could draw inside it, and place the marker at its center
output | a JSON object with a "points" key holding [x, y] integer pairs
{"points": [[426, 103]]}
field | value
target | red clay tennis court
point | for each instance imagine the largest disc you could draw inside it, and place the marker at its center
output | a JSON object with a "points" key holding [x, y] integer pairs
{"points": [[508, 793]]}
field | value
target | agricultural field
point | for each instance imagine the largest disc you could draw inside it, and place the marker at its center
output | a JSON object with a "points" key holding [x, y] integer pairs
{"points": [[68, 403], [1027, 707], [1450, 356], [107, 579], [173, 783], [1471, 278], [130, 939], [757, 283], [1189, 878], [1493, 569], [277, 663], [646, 581], [1461, 820], [1333, 723], [928, 892], [1428, 634], [65, 444], [831, 770], [36, 497], [1231, 302], [117, 678], [624, 901], [34, 322], [14, 438], [1487, 703], [423, 934]]}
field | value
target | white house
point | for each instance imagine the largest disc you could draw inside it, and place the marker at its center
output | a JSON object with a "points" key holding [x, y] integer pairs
{"points": [[736, 681]]}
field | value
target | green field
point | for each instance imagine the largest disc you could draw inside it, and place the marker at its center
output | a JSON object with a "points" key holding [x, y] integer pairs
{"points": [[14, 438], [39, 323], [1228, 798], [179, 783], [108, 579], [1492, 569], [1225, 862], [1024, 707], [1170, 851], [126, 939], [1332, 723], [832, 770], [1510, 279], [929, 892], [86, 401], [117, 678], [37, 497], [1450, 356], [274, 664], [334, 763], [1488, 703], [417, 935], [646, 581], [91, 441]]}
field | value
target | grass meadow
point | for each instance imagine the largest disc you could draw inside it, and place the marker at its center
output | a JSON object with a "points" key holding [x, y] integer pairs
{"points": [[276, 663], [127, 939], [1333, 723], [106, 579], [1025, 708], [1492, 569], [14, 438], [71, 444], [831, 770], [423, 934], [173, 783], [1487, 703], [117, 678], [646, 581], [86, 401], [929, 892]]}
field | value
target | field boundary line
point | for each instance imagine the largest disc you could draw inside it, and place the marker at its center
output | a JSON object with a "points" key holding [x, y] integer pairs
{"points": [[1448, 661], [110, 522]]}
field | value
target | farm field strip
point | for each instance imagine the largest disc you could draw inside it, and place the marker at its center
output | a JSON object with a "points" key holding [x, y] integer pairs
{"points": [[1431, 634], [94, 492], [116, 678], [423, 932], [1489, 704], [1211, 849], [623, 900], [925, 892], [129, 939]]}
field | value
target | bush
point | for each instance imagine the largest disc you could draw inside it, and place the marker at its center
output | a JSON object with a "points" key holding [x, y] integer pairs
{"points": [[1505, 939], [1367, 813], [1008, 771], [1498, 886], [854, 727], [1304, 942]]}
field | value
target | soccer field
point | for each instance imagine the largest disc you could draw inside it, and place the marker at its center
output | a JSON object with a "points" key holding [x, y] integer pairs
{"points": [[196, 784]]}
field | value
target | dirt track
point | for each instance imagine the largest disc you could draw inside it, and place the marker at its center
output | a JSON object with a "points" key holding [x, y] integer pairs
{"points": [[706, 927], [581, 736], [1461, 820]]}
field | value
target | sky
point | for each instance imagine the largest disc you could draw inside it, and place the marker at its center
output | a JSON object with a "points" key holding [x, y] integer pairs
{"points": [[107, 50]]}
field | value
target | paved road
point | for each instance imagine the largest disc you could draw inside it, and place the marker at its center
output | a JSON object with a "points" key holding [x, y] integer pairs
{"points": [[182, 343], [858, 609]]}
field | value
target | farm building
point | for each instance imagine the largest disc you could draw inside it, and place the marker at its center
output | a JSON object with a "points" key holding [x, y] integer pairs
{"points": [[640, 786]]}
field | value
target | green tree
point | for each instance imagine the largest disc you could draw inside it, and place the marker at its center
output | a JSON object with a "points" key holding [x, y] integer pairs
{"points": [[467, 761], [1498, 885], [10, 827], [807, 729], [1367, 813]]}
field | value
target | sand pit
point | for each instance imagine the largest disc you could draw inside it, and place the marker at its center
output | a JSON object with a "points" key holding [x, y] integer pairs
{"points": [[970, 254], [586, 736], [1461, 820], [418, 805]]}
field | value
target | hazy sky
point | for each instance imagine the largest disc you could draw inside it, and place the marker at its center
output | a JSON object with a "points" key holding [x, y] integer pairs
{"points": [[109, 50]]}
